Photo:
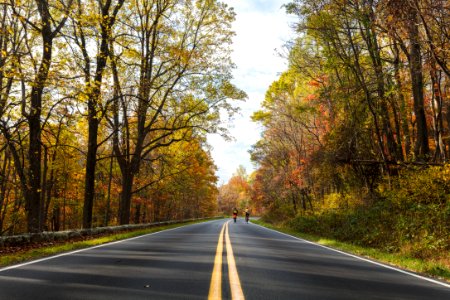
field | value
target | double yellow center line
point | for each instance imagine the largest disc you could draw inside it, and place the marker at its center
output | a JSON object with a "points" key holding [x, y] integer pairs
{"points": [[215, 288]]}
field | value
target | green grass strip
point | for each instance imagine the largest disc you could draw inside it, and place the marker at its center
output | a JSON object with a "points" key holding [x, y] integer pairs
{"points": [[424, 267], [46, 251]]}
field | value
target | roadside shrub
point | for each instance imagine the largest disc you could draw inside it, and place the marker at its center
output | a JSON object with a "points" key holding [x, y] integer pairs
{"points": [[412, 217], [419, 186], [279, 212]]}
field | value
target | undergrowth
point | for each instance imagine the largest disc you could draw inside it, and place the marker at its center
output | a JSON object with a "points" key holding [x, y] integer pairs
{"points": [[408, 221]]}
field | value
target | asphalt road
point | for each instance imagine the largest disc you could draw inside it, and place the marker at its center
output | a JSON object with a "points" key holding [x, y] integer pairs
{"points": [[178, 264]]}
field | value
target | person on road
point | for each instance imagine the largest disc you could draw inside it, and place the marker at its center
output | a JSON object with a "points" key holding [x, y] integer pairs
{"points": [[247, 215], [235, 213]]}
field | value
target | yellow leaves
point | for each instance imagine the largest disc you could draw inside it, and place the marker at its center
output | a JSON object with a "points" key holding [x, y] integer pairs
{"points": [[83, 97], [389, 18], [60, 45], [183, 55], [131, 53], [446, 173], [10, 30]]}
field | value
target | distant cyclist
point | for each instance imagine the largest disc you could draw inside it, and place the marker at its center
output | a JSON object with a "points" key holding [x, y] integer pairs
{"points": [[247, 215], [235, 213]]}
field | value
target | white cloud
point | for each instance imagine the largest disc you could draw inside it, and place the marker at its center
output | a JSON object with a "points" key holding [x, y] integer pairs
{"points": [[261, 27]]}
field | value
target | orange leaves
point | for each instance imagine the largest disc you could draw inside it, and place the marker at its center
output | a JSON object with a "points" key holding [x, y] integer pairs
{"points": [[236, 193], [310, 97], [314, 83], [296, 176]]}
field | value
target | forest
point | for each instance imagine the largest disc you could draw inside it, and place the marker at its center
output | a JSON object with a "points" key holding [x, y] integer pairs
{"points": [[356, 138], [105, 107], [104, 110]]}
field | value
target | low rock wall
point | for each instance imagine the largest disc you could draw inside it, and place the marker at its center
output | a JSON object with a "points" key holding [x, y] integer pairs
{"points": [[46, 237]]}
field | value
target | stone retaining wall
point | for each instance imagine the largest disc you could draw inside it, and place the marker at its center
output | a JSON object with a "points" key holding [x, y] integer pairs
{"points": [[31, 238]]}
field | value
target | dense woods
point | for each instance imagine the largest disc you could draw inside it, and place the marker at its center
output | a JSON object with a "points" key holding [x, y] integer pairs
{"points": [[357, 131], [104, 107]]}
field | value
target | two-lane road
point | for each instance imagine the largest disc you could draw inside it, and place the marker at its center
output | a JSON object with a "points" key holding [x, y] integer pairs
{"points": [[184, 263]]}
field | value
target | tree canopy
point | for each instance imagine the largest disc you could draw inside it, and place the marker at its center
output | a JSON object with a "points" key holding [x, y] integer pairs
{"points": [[358, 121], [104, 109]]}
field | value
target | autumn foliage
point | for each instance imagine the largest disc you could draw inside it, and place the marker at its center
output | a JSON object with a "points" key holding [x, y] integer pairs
{"points": [[235, 193], [104, 110], [354, 125]]}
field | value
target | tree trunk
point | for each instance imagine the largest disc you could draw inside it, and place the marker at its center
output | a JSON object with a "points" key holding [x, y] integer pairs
{"points": [[91, 161], [421, 148], [33, 191], [4, 175], [106, 23], [42, 220], [33, 195], [439, 154], [369, 34], [137, 214], [125, 201], [447, 130], [56, 218], [50, 183], [108, 197], [403, 110]]}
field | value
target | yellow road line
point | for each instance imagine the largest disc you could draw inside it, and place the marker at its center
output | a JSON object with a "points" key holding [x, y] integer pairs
{"points": [[215, 288], [235, 283]]}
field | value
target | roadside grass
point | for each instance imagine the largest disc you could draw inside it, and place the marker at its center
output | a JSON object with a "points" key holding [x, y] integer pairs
{"points": [[46, 251], [431, 268]]}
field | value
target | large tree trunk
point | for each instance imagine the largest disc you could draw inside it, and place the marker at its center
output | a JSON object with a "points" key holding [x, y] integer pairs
{"points": [[94, 119], [32, 188], [106, 23], [401, 97], [91, 162], [33, 193], [421, 148], [125, 201]]}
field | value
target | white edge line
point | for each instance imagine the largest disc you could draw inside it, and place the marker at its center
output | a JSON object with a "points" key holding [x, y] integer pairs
{"points": [[86, 249], [360, 258]]}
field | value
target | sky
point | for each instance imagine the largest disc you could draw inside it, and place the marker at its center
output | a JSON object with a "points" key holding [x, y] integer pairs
{"points": [[262, 28]]}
